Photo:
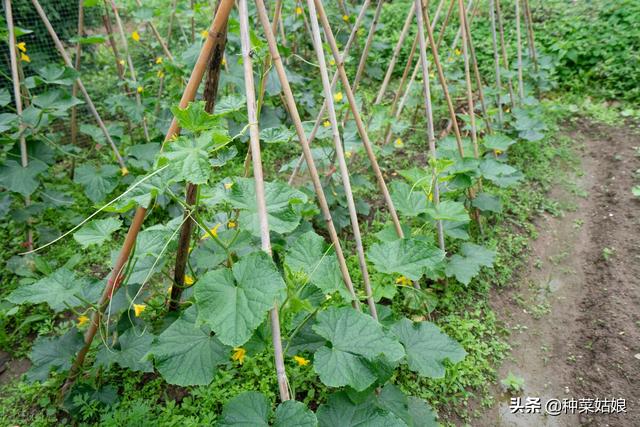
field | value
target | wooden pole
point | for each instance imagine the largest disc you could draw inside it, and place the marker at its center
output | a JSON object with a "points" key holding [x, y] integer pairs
{"points": [[446, 22], [254, 134], [114, 47], [85, 94], [505, 59], [467, 75], [367, 46], [74, 91], [132, 70], [157, 35], [15, 79], [496, 60], [431, 138], [216, 30], [342, 163], [358, 119], [313, 172], [530, 34], [519, 50]]}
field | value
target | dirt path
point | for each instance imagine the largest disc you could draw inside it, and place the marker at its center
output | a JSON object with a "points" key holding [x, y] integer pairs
{"points": [[574, 314]]}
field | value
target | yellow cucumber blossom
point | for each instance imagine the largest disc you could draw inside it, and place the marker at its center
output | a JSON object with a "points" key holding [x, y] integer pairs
{"points": [[345, 18], [135, 36], [498, 152], [458, 52], [121, 62], [301, 361], [213, 230], [403, 281], [160, 73], [298, 10], [24, 57], [239, 354], [140, 89], [204, 34], [188, 280], [228, 185], [326, 123], [124, 171], [82, 320], [398, 143], [348, 154], [231, 224], [159, 60], [22, 46], [138, 309], [337, 97], [332, 62]]}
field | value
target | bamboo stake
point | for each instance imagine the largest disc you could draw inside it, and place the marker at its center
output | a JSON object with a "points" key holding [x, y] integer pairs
{"points": [[446, 22], [313, 172], [132, 70], [519, 46], [334, 80], [219, 22], [182, 253], [358, 119], [87, 99], [15, 78], [530, 34], [342, 163], [505, 59], [396, 53], [114, 47], [254, 133], [367, 46], [157, 35], [467, 75], [428, 110], [496, 60], [457, 37], [74, 91]]}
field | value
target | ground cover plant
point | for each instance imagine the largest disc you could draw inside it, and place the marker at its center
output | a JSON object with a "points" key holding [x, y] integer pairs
{"points": [[280, 214]]}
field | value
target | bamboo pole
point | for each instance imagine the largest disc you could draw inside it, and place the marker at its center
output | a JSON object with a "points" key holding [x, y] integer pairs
{"points": [[15, 78], [457, 36], [519, 50], [446, 22], [358, 119], [313, 172], [74, 91], [467, 75], [428, 110], [87, 99], [505, 59], [334, 80], [367, 46], [530, 34], [132, 70], [496, 60], [114, 47], [219, 22], [342, 163], [254, 133], [157, 35]]}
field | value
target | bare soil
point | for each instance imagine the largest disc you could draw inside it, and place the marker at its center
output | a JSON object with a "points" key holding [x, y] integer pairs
{"points": [[574, 312]]}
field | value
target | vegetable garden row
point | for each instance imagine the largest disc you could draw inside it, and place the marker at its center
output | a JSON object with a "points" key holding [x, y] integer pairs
{"points": [[219, 263]]}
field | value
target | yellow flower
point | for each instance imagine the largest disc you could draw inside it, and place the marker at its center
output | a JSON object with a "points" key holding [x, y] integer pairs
{"points": [[430, 197], [121, 62], [82, 320], [337, 97], [204, 34], [160, 74], [326, 123], [458, 52], [238, 354], [332, 62], [507, 110], [213, 230], [228, 185], [224, 62], [124, 171], [22, 46], [159, 60], [398, 143], [298, 10], [449, 59], [138, 309], [498, 152], [140, 89], [345, 18], [432, 74], [24, 57], [188, 280], [301, 361], [135, 36], [231, 224], [403, 281], [348, 154]]}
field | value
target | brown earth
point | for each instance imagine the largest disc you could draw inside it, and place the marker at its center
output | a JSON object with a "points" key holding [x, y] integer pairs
{"points": [[574, 312]]}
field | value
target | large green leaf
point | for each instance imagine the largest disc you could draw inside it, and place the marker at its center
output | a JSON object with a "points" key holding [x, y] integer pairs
{"points": [[354, 338], [308, 255], [252, 409], [448, 210], [60, 290], [97, 182], [487, 203], [195, 119], [235, 302], [499, 173], [188, 158], [187, 354], [21, 180], [408, 202], [133, 345], [466, 264], [97, 232], [497, 142], [408, 257], [274, 135], [341, 411], [53, 353], [413, 411], [427, 347], [279, 199]]}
